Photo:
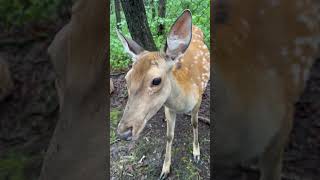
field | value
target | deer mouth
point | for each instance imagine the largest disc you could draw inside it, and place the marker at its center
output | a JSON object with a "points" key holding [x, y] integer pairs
{"points": [[132, 133], [127, 135]]}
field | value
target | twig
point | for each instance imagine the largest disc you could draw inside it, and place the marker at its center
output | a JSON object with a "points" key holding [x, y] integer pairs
{"points": [[117, 74], [201, 118], [142, 159], [115, 141]]}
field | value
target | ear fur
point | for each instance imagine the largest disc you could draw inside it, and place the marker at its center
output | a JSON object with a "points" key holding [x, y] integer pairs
{"points": [[130, 46], [179, 36]]}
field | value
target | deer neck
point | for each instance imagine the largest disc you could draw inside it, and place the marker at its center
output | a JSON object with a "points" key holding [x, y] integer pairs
{"points": [[178, 100]]}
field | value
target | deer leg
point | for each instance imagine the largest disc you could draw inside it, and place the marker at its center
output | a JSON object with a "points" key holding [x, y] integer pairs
{"points": [[271, 160], [171, 120], [195, 143]]}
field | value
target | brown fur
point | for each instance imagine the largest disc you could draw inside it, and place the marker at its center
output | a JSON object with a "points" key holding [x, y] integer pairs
{"points": [[263, 56]]}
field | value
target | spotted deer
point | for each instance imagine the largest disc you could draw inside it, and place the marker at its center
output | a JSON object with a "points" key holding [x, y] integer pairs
{"points": [[263, 55], [175, 78]]}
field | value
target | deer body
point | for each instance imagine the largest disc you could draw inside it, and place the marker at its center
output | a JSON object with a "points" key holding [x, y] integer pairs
{"points": [[264, 53], [175, 78], [190, 76]]}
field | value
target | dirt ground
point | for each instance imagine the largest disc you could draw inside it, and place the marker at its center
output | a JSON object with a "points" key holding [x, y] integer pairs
{"points": [[28, 117]]}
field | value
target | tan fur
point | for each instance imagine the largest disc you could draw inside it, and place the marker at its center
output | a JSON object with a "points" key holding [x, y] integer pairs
{"points": [[194, 70]]}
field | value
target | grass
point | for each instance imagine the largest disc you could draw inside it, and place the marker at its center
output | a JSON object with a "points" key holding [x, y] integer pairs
{"points": [[14, 165], [127, 166], [114, 119], [17, 13]]}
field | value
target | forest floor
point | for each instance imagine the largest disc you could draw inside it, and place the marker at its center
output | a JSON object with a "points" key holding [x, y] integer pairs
{"points": [[28, 117], [29, 114]]}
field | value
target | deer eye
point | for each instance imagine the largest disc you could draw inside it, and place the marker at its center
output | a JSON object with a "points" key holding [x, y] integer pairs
{"points": [[156, 81]]}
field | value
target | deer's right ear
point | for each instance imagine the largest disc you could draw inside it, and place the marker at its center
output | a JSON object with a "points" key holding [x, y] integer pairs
{"points": [[179, 36], [130, 46]]}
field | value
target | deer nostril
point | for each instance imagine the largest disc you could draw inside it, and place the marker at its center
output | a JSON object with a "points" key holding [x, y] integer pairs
{"points": [[127, 135]]}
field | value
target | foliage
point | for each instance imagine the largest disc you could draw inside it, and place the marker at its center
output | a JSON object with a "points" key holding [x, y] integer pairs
{"points": [[12, 166], [20, 12], [200, 15]]}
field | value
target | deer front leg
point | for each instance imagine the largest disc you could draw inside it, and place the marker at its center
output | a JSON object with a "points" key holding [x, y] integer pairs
{"points": [[171, 120], [195, 143], [271, 160]]}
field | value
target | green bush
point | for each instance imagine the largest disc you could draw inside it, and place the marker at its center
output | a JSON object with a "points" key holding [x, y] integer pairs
{"points": [[20, 12], [13, 165]]}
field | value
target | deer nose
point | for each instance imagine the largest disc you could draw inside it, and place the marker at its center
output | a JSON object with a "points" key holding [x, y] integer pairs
{"points": [[127, 135]]}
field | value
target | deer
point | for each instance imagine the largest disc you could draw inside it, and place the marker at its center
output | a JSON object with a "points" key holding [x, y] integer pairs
{"points": [[174, 77], [263, 55]]}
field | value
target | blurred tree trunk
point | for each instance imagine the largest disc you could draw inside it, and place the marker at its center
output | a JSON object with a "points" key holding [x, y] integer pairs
{"points": [[117, 11], [136, 17], [162, 14]]}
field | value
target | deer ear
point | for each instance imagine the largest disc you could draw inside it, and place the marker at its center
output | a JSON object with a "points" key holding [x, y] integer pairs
{"points": [[130, 46], [179, 36]]}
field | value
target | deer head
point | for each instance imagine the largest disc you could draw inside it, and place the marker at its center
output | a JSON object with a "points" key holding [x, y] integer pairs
{"points": [[149, 80]]}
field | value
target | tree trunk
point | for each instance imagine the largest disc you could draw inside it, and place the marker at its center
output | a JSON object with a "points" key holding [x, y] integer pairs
{"points": [[137, 23], [117, 11], [162, 14], [78, 148]]}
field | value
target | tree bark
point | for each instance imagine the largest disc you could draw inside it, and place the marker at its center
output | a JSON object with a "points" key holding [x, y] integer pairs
{"points": [[78, 148], [162, 14], [117, 11], [136, 17]]}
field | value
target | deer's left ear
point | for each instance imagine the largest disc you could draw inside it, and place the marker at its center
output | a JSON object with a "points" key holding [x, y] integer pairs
{"points": [[179, 36], [130, 46]]}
